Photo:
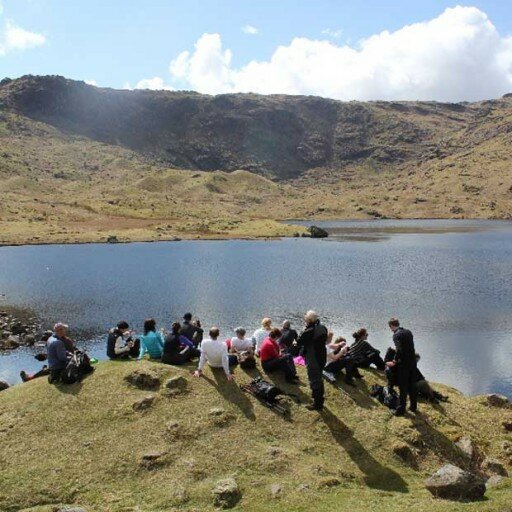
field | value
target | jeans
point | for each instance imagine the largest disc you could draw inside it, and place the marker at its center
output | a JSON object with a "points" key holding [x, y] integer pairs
{"points": [[315, 365], [407, 387], [284, 363]]}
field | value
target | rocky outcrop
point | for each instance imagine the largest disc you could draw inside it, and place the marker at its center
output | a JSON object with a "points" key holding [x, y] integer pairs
{"points": [[317, 232], [495, 400], [226, 493], [453, 483], [143, 379], [3, 385], [493, 467], [16, 332]]}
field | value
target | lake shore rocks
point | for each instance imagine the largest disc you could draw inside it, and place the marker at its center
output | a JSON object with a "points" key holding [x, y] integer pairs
{"points": [[18, 329]]}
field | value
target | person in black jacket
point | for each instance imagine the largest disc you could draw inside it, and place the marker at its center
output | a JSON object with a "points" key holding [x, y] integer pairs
{"points": [[191, 330], [178, 349], [312, 341], [288, 336], [120, 343], [404, 364]]}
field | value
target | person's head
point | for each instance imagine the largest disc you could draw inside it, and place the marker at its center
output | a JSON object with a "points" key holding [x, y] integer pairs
{"points": [[60, 329], [149, 325], [339, 340], [394, 324], [360, 334], [266, 323], [122, 326], [311, 317], [175, 327], [214, 332], [240, 332], [187, 317], [286, 324], [274, 333], [196, 322]]}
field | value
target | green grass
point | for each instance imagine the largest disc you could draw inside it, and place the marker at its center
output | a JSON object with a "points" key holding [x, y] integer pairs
{"points": [[83, 444]]}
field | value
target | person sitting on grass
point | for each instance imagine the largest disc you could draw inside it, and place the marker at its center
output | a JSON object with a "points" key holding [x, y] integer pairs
{"points": [[151, 341], [60, 349], [243, 348], [272, 359], [336, 355], [25, 377], [192, 330], [215, 353], [178, 349], [288, 337], [120, 342], [361, 355], [261, 333]]}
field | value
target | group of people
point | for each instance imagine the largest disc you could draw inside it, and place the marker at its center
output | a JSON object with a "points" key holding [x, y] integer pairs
{"points": [[277, 349]]}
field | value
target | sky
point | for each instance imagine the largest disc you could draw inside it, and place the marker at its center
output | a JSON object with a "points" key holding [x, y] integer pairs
{"points": [[347, 50]]}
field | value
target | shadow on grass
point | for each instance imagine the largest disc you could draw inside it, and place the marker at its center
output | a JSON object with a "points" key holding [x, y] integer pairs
{"points": [[376, 475], [231, 392]]}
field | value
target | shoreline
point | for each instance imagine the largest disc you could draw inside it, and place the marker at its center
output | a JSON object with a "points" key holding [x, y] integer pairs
{"points": [[103, 239]]}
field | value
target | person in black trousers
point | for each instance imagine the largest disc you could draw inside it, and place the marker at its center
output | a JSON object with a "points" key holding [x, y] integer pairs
{"points": [[178, 349], [312, 341], [404, 364]]}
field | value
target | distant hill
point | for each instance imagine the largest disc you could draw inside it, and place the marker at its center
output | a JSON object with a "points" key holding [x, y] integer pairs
{"points": [[318, 158]]}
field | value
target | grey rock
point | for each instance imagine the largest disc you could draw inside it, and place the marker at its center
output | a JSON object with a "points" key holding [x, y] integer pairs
{"points": [[179, 382], [143, 404], [216, 411], [493, 467], [451, 482], [143, 379], [3, 385], [494, 481], [112, 239], [276, 490], [466, 446], [69, 508], [30, 339], [317, 232], [494, 400], [226, 493], [507, 425]]}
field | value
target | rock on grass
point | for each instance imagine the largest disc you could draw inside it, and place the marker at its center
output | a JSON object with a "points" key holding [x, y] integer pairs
{"points": [[226, 493], [453, 483], [493, 467], [143, 379], [143, 404]]}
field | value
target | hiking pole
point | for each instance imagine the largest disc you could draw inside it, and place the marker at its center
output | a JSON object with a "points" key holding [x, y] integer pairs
{"points": [[331, 379]]}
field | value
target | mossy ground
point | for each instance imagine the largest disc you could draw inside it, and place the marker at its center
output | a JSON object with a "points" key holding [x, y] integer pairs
{"points": [[83, 444]]}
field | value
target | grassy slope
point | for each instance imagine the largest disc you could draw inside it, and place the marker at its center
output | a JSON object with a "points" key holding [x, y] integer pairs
{"points": [[82, 444]]}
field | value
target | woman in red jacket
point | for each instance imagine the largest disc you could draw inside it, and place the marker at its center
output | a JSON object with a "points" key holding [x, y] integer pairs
{"points": [[272, 359]]}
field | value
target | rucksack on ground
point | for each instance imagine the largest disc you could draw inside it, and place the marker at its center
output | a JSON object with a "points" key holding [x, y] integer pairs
{"points": [[78, 366]]}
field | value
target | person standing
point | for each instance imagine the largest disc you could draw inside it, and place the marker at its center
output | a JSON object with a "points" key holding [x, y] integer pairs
{"points": [[313, 344], [404, 364]]}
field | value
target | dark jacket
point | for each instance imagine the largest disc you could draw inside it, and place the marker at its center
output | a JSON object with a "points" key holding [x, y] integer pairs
{"points": [[288, 336], [405, 356], [313, 342], [193, 333], [111, 342], [172, 347]]}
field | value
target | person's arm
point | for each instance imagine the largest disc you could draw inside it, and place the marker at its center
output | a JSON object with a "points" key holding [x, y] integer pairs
{"points": [[305, 337], [225, 362], [397, 338], [120, 347], [61, 352], [160, 341], [185, 341], [202, 361], [143, 348]]}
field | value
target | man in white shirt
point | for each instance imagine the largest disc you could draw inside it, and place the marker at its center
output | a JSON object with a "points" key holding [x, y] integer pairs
{"points": [[215, 352], [240, 343]]}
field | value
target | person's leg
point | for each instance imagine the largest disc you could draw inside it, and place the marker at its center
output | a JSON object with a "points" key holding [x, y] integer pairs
{"points": [[288, 367], [412, 391], [271, 365], [334, 367], [377, 361], [54, 376], [316, 381], [403, 386], [233, 359], [351, 370]]}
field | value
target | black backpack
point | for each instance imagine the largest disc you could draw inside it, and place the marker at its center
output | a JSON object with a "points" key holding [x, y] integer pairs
{"points": [[385, 395], [264, 390], [78, 366]]}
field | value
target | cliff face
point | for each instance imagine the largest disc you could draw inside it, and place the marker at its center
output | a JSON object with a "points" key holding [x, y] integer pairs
{"points": [[279, 136]]}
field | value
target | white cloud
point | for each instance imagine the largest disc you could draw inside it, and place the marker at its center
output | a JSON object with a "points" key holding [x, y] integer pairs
{"points": [[16, 38], [155, 84], [457, 56], [91, 82], [335, 34], [250, 30]]}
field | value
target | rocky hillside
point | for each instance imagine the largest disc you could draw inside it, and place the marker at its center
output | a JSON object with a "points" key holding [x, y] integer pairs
{"points": [[141, 436], [279, 136]]}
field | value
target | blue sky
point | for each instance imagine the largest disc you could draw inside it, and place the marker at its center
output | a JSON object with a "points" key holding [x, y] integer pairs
{"points": [[119, 43]]}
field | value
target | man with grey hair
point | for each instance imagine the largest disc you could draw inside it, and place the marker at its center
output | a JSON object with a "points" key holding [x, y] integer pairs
{"points": [[312, 341], [60, 349]]}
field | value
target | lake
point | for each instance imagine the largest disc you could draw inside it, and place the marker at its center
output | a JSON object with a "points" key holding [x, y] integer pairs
{"points": [[450, 282]]}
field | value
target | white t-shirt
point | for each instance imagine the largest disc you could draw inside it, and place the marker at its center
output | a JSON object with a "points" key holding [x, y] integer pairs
{"points": [[259, 337], [216, 353], [241, 345]]}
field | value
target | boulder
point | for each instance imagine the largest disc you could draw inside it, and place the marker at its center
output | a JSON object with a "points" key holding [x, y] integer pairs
{"points": [[3, 385], [493, 467], [276, 490], [226, 493], [179, 382], [317, 232], [112, 239], [12, 342], [143, 404], [494, 481], [494, 400], [465, 444], [149, 460], [507, 425], [143, 379], [451, 482], [216, 411], [329, 482], [30, 339]]}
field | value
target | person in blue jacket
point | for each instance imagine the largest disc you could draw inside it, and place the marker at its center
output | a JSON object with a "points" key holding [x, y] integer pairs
{"points": [[151, 341]]}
